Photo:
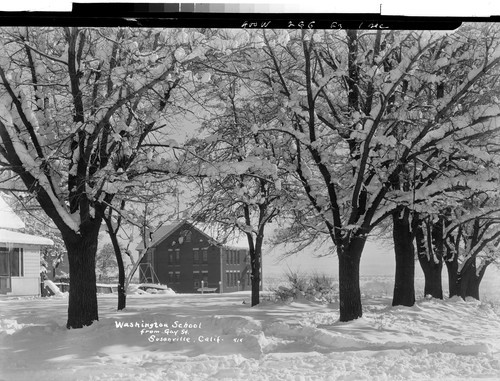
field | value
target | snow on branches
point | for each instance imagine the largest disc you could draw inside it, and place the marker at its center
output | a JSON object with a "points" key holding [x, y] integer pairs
{"points": [[80, 106]]}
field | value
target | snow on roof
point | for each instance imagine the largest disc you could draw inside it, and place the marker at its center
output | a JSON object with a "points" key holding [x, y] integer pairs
{"points": [[9, 236], [9, 219], [160, 234], [165, 230]]}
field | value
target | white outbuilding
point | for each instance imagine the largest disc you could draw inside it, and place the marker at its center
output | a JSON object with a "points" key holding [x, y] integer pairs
{"points": [[19, 255]]}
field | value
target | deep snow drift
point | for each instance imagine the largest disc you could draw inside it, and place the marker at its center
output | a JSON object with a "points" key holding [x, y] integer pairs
{"points": [[218, 337]]}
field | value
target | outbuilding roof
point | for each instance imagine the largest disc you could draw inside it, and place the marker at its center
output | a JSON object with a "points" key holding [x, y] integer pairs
{"points": [[9, 219], [9, 236]]}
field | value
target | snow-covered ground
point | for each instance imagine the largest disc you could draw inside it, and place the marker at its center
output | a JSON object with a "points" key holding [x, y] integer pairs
{"points": [[218, 337]]}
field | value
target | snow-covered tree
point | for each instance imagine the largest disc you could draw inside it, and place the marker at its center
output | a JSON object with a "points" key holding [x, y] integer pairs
{"points": [[135, 210], [77, 107], [471, 239], [362, 108], [106, 264], [243, 199], [466, 240]]}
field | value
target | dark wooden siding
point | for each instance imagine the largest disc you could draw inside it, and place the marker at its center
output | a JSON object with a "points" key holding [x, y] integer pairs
{"points": [[174, 261], [235, 267], [184, 271]]}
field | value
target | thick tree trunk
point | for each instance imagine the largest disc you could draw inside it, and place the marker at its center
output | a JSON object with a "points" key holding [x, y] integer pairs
{"points": [[469, 279], [255, 286], [473, 288], [82, 305], [466, 279], [431, 263], [404, 283], [122, 295], [432, 273], [255, 260], [255, 250], [349, 290], [453, 285]]}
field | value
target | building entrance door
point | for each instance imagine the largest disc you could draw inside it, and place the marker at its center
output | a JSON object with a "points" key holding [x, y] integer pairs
{"points": [[5, 282]]}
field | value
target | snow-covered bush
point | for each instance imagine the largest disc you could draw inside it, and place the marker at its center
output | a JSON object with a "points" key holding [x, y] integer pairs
{"points": [[316, 287], [148, 289]]}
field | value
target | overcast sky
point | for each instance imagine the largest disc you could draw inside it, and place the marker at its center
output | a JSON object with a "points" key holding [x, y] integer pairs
{"points": [[377, 259]]}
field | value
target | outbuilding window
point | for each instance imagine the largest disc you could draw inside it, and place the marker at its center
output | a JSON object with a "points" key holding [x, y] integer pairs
{"points": [[11, 261]]}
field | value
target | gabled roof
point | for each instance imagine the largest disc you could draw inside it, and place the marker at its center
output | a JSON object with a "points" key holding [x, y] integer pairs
{"points": [[9, 236], [9, 219], [166, 230]]}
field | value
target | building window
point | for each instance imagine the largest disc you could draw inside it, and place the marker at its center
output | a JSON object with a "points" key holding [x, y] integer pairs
{"points": [[177, 256], [11, 262], [196, 256], [170, 256], [4, 261], [177, 277], [205, 256], [228, 279], [196, 279]]}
